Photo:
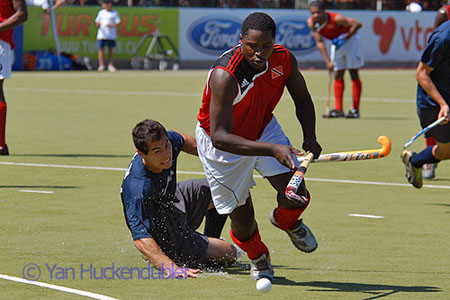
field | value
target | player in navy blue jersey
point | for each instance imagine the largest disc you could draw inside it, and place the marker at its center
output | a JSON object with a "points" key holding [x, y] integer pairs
{"points": [[442, 15], [162, 214], [433, 100]]}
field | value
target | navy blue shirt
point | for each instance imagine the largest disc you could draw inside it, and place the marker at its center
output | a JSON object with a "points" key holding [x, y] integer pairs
{"points": [[148, 197], [437, 56]]}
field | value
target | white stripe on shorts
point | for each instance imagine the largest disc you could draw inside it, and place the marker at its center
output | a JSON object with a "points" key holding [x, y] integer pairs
{"points": [[230, 176], [5, 60]]}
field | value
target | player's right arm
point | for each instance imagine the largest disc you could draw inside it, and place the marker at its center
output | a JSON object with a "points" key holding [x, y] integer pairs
{"points": [[223, 91], [423, 78], [151, 250], [20, 16], [320, 44]]}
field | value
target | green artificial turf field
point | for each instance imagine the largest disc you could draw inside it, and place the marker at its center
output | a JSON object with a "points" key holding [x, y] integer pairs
{"points": [[69, 135]]}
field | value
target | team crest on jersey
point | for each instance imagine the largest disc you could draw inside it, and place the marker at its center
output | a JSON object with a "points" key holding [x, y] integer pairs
{"points": [[277, 71]]}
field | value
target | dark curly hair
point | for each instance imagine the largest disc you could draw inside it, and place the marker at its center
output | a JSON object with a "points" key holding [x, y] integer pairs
{"points": [[258, 21], [147, 131], [321, 4]]}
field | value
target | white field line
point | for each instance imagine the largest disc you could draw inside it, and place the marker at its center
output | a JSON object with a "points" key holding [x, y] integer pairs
{"points": [[170, 94], [366, 216], [36, 191], [57, 287], [202, 174]]}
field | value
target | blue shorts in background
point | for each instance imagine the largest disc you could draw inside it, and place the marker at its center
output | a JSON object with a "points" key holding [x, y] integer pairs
{"points": [[108, 43]]}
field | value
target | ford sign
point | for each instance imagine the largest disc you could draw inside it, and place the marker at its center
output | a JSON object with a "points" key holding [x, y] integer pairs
{"points": [[215, 34], [294, 34]]}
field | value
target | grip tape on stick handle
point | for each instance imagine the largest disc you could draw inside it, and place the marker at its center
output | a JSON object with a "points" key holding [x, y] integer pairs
{"points": [[296, 180]]}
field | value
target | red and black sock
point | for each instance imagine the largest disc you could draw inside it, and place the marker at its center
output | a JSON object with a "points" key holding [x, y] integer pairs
{"points": [[338, 93], [356, 90], [287, 217], [2, 124], [430, 141]]}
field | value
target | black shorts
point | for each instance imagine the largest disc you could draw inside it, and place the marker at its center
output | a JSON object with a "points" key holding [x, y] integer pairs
{"points": [[441, 133], [189, 248], [195, 198]]}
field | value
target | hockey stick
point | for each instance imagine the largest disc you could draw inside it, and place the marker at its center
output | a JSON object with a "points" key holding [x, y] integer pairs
{"points": [[296, 180], [359, 154], [432, 125], [330, 81]]}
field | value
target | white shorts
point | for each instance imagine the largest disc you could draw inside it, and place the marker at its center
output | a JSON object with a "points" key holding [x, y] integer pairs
{"points": [[230, 176], [349, 55], [6, 56]]}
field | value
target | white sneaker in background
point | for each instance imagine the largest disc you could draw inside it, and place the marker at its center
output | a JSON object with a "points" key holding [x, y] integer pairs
{"points": [[111, 68]]}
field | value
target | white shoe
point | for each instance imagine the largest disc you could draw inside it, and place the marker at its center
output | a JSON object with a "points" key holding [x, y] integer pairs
{"points": [[239, 251], [261, 268], [101, 68], [111, 68], [413, 174], [428, 171], [301, 236]]}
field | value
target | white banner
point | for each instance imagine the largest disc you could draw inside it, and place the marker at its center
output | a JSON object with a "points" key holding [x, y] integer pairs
{"points": [[397, 36]]}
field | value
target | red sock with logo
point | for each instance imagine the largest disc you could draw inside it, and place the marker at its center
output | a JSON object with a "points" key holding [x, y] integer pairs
{"points": [[356, 89], [338, 93], [430, 141], [2, 124], [287, 217], [254, 246]]}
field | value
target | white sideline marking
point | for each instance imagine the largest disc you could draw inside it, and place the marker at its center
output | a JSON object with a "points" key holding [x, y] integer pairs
{"points": [[201, 173], [172, 94], [366, 216], [36, 191], [56, 287], [60, 166]]}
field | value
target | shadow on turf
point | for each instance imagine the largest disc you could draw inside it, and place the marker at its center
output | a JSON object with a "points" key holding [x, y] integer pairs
{"points": [[38, 186], [378, 290], [73, 155]]}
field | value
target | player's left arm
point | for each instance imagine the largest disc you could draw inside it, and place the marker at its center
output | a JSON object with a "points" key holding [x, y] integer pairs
{"points": [[304, 108], [20, 16], [189, 145], [423, 78], [354, 25]]}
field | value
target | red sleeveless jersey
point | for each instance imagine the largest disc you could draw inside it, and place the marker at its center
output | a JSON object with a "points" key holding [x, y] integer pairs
{"points": [[258, 94], [330, 29], [6, 11]]}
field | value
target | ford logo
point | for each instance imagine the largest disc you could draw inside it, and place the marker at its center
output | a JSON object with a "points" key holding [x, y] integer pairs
{"points": [[295, 35], [214, 35]]}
